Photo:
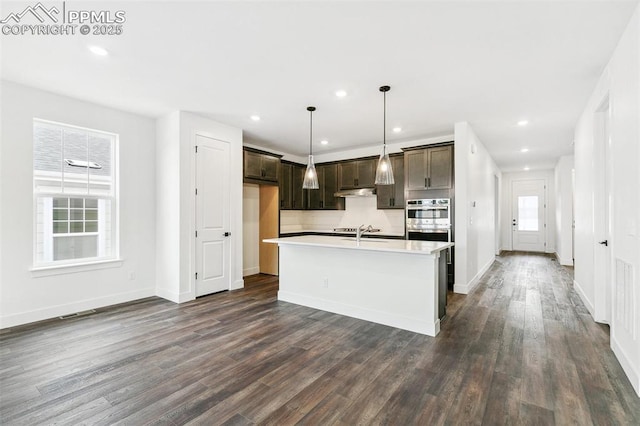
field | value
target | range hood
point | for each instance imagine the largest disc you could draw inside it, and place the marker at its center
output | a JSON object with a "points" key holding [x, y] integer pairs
{"points": [[361, 192]]}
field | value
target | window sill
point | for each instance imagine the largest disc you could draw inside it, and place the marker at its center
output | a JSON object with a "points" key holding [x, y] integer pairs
{"points": [[45, 271]]}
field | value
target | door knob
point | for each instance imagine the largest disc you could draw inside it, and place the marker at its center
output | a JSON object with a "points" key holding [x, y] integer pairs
{"points": [[604, 243], [226, 234]]}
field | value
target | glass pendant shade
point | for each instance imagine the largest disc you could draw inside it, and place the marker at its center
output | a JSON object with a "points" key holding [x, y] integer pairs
{"points": [[384, 172], [310, 176]]}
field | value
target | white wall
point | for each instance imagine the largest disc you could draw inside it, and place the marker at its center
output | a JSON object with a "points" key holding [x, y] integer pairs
{"points": [[250, 229], [27, 296], [475, 241], [620, 82], [549, 211], [176, 152], [563, 181], [358, 211]]}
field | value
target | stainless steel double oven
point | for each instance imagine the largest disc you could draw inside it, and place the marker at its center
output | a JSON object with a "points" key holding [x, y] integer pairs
{"points": [[429, 219]]}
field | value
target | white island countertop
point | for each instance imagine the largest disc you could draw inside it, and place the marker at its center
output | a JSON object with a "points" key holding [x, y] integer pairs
{"points": [[371, 244]]}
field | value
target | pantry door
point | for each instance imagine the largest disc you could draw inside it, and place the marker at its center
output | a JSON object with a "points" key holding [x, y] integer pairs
{"points": [[528, 215], [212, 194]]}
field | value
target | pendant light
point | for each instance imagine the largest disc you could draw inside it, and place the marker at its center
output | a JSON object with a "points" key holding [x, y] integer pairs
{"points": [[384, 172], [310, 175]]}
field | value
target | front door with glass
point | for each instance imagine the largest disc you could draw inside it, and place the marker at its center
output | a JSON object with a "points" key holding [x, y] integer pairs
{"points": [[528, 218]]}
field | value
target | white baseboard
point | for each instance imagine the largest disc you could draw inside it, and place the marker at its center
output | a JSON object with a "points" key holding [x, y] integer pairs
{"points": [[468, 287], [251, 271], [584, 298], [627, 365], [563, 262], [385, 318], [237, 284], [21, 318], [173, 296]]}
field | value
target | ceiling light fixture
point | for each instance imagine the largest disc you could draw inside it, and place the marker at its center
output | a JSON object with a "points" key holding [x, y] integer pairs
{"points": [[310, 176], [324, 142], [97, 50], [384, 172], [523, 122], [255, 117], [341, 93], [526, 168], [524, 150], [397, 129]]}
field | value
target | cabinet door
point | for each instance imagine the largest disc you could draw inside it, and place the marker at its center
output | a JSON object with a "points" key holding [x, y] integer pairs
{"points": [[252, 165], [285, 186], [330, 187], [298, 195], [439, 160], [392, 196], [398, 176], [347, 173], [316, 195], [270, 167], [384, 194], [416, 172], [366, 173]]}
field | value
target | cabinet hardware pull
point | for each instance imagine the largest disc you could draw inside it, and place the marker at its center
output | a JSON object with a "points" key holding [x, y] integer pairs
{"points": [[425, 183]]}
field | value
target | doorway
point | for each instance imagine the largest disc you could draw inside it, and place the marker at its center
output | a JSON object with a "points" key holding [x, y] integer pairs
{"points": [[212, 216], [260, 220], [496, 213], [528, 215], [269, 228]]}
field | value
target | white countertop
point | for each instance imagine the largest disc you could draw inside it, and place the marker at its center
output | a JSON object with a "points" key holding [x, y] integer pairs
{"points": [[371, 244]]}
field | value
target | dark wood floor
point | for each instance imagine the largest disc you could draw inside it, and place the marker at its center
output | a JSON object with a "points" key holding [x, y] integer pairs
{"points": [[521, 349]]}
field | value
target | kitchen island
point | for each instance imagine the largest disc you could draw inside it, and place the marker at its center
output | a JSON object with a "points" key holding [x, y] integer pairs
{"points": [[390, 282]]}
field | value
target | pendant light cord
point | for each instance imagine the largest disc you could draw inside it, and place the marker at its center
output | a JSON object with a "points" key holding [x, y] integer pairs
{"points": [[310, 132], [384, 122]]}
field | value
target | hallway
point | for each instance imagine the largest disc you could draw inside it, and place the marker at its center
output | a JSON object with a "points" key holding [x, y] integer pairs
{"points": [[520, 349]]}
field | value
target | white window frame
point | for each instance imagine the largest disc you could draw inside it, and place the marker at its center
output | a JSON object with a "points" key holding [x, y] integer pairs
{"points": [[88, 263]]}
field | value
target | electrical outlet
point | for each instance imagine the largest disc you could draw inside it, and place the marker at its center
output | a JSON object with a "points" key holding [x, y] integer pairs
{"points": [[325, 282], [132, 275]]}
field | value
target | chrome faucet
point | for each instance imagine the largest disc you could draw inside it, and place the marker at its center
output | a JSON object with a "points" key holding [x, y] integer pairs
{"points": [[361, 230]]}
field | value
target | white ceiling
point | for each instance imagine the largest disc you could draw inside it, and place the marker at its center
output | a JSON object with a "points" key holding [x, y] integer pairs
{"points": [[488, 63]]}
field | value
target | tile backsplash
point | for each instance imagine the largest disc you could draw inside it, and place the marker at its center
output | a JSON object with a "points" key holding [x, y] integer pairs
{"points": [[358, 211]]}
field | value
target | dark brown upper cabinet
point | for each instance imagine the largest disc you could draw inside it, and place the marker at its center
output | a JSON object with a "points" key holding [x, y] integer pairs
{"points": [[323, 198], [357, 174], [261, 167], [292, 196], [429, 168], [392, 196]]}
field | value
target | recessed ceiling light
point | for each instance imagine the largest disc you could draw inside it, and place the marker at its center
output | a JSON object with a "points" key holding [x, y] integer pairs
{"points": [[255, 117], [341, 93], [526, 168], [324, 142], [523, 122], [524, 150], [97, 50], [397, 129]]}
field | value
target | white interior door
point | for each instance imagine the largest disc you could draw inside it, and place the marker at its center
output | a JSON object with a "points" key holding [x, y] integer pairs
{"points": [[212, 216], [528, 218], [603, 263]]}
